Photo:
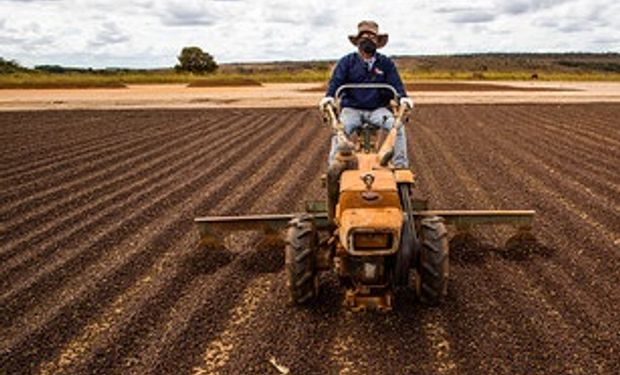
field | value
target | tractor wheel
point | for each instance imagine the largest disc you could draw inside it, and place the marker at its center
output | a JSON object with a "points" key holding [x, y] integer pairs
{"points": [[433, 268], [300, 252]]}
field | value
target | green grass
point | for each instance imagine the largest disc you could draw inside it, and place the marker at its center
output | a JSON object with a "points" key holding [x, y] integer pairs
{"points": [[224, 82], [49, 81], [38, 80]]}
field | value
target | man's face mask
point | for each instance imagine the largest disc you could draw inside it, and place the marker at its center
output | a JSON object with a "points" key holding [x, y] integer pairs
{"points": [[368, 46]]}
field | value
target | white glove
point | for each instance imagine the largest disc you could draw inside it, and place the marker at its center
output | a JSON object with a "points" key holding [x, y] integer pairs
{"points": [[406, 102], [326, 101]]}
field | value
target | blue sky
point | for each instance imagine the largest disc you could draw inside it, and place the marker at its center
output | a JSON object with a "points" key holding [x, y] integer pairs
{"points": [[150, 33]]}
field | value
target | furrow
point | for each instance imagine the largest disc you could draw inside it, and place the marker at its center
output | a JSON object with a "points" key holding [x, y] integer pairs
{"points": [[40, 159], [597, 119], [570, 301], [236, 356], [91, 171], [427, 183], [463, 317], [559, 327], [565, 130], [110, 277], [218, 352], [36, 227], [505, 179], [77, 239], [593, 218], [79, 307], [112, 204], [588, 161], [556, 337], [599, 206], [154, 306], [572, 124], [531, 124], [110, 131], [22, 141]]}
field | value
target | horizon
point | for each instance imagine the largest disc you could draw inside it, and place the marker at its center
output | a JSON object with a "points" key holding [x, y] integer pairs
{"points": [[474, 54], [100, 34]]}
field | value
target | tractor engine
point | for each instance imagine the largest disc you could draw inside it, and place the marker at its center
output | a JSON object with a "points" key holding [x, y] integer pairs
{"points": [[369, 219]]}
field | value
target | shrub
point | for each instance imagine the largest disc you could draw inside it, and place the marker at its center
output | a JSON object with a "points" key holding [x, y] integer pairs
{"points": [[194, 60]]}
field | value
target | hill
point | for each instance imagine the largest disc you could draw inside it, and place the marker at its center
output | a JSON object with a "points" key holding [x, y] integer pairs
{"points": [[493, 62]]}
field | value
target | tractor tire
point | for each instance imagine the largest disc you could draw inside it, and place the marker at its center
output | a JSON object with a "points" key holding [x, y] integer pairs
{"points": [[433, 267], [300, 259], [405, 258]]}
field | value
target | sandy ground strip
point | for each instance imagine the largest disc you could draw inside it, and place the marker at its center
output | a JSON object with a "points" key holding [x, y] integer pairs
{"points": [[285, 95]]}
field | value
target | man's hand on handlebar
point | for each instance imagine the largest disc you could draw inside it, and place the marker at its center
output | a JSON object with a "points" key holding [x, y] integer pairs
{"points": [[407, 102], [328, 100]]}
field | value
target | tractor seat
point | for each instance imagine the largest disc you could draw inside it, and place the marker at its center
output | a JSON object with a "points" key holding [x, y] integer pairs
{"points": [[368, 126], [371, 129]]}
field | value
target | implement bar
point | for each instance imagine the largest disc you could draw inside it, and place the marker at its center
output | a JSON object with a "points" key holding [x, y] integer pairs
{"points": [[212, 227], [521, 218]]}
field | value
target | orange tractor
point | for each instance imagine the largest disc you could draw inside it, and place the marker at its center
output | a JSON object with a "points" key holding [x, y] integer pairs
{"points": [[369, 230]]}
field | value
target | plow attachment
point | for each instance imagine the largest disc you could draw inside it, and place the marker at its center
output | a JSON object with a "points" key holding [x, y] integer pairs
{"points": [[212, 229]]}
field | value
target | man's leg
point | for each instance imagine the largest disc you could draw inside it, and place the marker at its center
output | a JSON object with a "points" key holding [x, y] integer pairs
{"points": [[351, 119], [383, 118], [400, 159]]}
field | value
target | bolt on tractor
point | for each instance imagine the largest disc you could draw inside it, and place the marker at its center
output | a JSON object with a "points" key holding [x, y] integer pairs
{"points": [[369, 230]]}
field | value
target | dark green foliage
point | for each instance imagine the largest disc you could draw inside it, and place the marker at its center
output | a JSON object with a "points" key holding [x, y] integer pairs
{"points": [[194, 60], [59, 69], [10, 66], [592, 66], [51, 68]]}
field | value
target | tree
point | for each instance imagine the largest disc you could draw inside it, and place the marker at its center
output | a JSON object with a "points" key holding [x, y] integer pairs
{"points": [[193, 59], [10, 66]]}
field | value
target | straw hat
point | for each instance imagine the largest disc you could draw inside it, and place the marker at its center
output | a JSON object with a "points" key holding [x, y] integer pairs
{"points": [[372, 27]]}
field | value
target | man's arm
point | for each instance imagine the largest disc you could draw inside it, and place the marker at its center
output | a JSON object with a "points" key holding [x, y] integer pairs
{"points": [[393, 78], [339, 77]]}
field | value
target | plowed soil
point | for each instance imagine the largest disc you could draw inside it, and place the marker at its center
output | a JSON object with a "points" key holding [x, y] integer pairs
{"points": [[101, 270]]}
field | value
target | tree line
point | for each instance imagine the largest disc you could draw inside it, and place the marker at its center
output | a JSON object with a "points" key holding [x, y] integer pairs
{"points": [[190, 60]]}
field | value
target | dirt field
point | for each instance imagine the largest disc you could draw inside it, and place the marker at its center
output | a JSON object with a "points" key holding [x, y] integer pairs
{"points": [[100, 270]]}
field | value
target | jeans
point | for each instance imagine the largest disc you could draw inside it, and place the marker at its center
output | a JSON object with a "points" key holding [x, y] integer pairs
{"points": [[383, 118]]}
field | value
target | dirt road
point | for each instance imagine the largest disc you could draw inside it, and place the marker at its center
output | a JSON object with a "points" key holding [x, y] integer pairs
{"points": [[100, 270], [302, 94]]}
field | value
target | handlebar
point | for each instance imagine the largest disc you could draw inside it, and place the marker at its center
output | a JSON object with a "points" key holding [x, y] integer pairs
{"points": [[387, 149], [366, 86], [330, 111]]}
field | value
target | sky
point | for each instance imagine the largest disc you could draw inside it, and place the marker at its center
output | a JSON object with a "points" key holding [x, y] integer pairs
{"points": [[151, 33]]}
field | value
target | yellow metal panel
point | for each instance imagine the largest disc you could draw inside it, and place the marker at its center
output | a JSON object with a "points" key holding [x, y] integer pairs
{"points": [[403, 176], [367, 162], [370, 218], [352, 181], [355, 199]]}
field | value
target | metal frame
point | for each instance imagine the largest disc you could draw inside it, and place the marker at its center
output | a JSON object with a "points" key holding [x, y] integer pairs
{"points": [[210, 227], [384, 86]]}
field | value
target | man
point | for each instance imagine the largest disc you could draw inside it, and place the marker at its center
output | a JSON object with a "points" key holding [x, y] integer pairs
{"points": [[368, 105]]}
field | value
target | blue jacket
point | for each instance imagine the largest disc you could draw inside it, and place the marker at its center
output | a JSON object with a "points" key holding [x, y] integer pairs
{"points": [[353, 69]]}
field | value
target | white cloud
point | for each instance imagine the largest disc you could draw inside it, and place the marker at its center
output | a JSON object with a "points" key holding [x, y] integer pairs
{"points": [[472, 16], [150, 33], [526, 6], [189, 13], [109, 34]]}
